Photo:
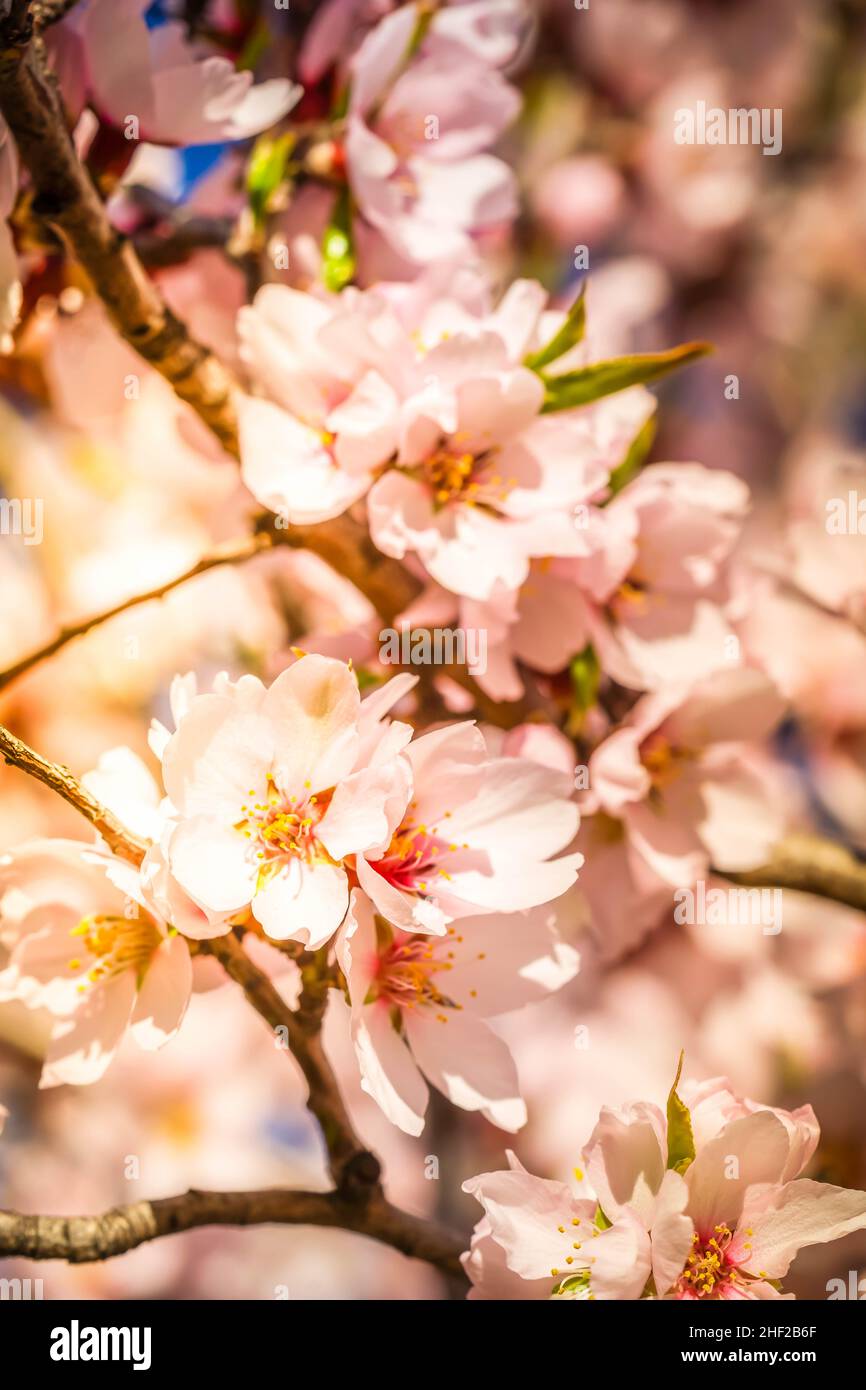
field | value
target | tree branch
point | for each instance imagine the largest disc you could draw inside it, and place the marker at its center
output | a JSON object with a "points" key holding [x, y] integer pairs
{"points": [[358, 1202], [48, 12], [60, 780], [232, 552], [80, 1239], [354, 1169], [68, 201], [156, 250], [811, 864], [345, 545]]}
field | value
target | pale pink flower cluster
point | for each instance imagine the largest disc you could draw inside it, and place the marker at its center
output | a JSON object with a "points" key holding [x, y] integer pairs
{"points": [[302, 809], [180, 93], [420, 404], [419, 127], [154, 85], [434, 871], [420, 401], [704, 1202], [678, 789]]}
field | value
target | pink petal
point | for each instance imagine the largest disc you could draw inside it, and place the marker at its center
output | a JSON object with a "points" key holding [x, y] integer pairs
{"points": [[388, 1072], [164, 995], [468, 1063], [82, 1046]]}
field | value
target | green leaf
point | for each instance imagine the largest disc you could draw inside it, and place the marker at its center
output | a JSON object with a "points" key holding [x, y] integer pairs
{"points": [[604, 378], [367, 678], [601, 1220], [338, 251], [572, 1285], [633, 461], [681, 1140], [255, 47], [585, 675], [419, 33], [340, 108], [267, 171], [569, 335]]}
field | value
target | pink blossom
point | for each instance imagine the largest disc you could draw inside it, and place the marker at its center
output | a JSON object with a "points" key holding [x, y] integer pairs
{"points": [[424, 181], [424, 404], [539, 1237], [180, 94], [712, 1209], [273, 789], [665, 621], [121, 782], [645, 582], [87, 944], [676, 774], [282, 798], [492, 29], [420, 1004], [477, 835]]}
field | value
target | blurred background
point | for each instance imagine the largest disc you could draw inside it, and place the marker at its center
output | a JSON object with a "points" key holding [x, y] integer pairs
{"points": [[763, 255]]}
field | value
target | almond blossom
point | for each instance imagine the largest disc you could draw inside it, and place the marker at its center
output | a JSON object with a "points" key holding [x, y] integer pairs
{"points": [[491, 30], [283, 798], [706, 1202], [665, 618], [649, 589], [679, 778], [123, 783], [270, 801], [420, 1003], [539, 1238], [109, 58], [424, 181], [476, 836], [423, 403], [87, 944]]}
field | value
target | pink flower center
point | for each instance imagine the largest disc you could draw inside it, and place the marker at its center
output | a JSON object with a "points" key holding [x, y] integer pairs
{"points": [[710, 1271], [410, 860], [456, 475], [405, 975], [662, 760]]}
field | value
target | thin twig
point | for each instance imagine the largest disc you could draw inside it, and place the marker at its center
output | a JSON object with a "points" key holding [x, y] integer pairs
{"points": [[811, 864], [232, 552], [354, 1169], [60, 780], [156, 250], [81, 1239]]}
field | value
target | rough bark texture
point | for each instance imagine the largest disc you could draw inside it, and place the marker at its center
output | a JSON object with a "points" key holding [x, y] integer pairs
{"points": [[812, 865], [67, 201], [82, 1239]]}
